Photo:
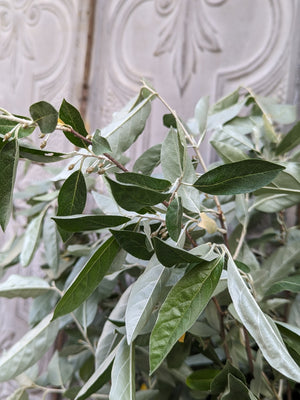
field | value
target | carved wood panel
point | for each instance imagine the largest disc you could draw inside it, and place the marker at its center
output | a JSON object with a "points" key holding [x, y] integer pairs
{"points": [[189, 49]]}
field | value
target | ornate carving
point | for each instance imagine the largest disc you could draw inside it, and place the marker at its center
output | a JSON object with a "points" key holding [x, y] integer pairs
{"points": [[186, 32]]}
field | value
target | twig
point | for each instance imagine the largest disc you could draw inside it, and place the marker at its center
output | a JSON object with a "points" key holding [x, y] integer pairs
{"points": [[248, 350], [222, 328]]}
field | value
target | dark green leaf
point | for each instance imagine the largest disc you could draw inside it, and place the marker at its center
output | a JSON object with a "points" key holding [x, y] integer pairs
{"points": [[169, 255], [183, 305], [174, 218], [135, 198], [45, 115], [144, 181], [88, 278], [100, 145], [169, 121], [133, 242], [33, 154], [92, 222], [9, 157], [238, 177], [71, 116], [290, 140], [71, 198], [219, 383], [237, 390], [148, 160], [201, 380]]}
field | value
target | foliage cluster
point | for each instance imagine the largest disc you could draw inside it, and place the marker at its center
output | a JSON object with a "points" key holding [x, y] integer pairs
{"points": [[181, 280]]}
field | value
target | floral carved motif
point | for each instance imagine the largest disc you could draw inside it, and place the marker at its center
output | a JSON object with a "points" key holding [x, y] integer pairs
{"points": [[186, 32]]}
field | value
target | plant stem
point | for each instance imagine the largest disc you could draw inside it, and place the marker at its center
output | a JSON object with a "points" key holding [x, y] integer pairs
{"points": [[222, 328], [248, 350], [83, 333]]}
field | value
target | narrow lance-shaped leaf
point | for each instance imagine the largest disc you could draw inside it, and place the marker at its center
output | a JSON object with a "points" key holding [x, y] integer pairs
{"points": [[31, 239], [148, 182], [133, 197], [123, 373], [71, 116], [169, 255], [9, 157], [44, 156], [133, 242], [71, 198], [174, 218], [144, 296], [98, 378], [29, 349], [183, 305], [91, 222], [259, 326], [51, 243], [290, 140], [23, 286], [238, 177], [45, 115], [88, 278]]}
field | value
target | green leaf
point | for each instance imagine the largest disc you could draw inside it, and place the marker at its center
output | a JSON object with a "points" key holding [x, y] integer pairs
{"points": [[267, 338], [6, 126], [290, 140], [71, 198], [31, 239], [45, 115], [183, 305], [239, 177], [144, 181], [291, 283], [133, 242], [44, 156], [149, 160], [100, 145], [23, 286], [227, 152], [237, 390], [9, 157], [29, 349], [173, 156], [71, 116], [174, 218], [19, 394], [169, 121], [123, 373], [226, 101], [201, 379], [201, 111], [169, 255], [135, 198], [51, 243], [88, 278], [90, 222], [219, 383], [127, 126], [59, 370], [144, 296], [280, 113], [98, 378]]}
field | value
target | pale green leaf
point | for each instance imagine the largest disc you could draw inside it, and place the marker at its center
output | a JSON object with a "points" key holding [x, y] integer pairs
{"points": [[259, 326], [147, 162], [59, 371], [100, 145], [144, 295], [228, 152], [31, 239], [29, 349], [19, 394], [51, 243], [183, 305], [23, 286], [123, 373]]}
